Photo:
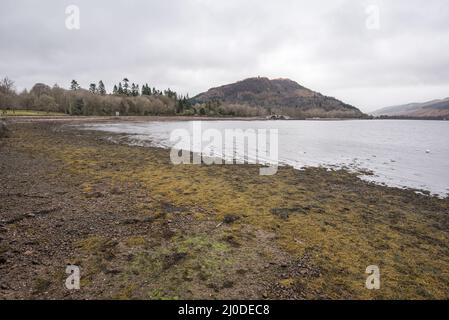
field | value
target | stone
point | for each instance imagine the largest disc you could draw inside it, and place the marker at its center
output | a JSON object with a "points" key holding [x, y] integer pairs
{"points": [[4, 131]]}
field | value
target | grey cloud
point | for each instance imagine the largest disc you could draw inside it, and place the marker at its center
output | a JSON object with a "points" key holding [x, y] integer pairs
{"points": [[191, 45]]}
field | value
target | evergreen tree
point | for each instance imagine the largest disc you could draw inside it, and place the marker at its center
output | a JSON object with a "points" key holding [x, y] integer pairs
{"points": [[179, 107], [93, 88], [146, 90], [78, 108], [115, 90], [120, 89], [101, 88], [74, 85], [171, 94], [182, 104], [126, 86], [134, 90]]}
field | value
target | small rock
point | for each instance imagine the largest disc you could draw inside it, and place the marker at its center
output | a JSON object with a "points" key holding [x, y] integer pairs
{"points": [[96, 194], [116, 190], [228, 284], [4, 287], [4, 131], [242, 271], [214, 286], [112, 271], [172, 259], [148, 219], [129, 221], [230, 218]]}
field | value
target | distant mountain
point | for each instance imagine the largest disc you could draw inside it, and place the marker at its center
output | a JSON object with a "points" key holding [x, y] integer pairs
{"points": [[282, 96], [430, 109]]}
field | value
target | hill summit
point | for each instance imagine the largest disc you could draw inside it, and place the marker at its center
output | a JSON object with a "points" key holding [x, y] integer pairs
{"points": [[282, 96]]}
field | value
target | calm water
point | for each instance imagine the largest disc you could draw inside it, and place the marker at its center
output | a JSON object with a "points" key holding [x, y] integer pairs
{"points": [[400, 153]]}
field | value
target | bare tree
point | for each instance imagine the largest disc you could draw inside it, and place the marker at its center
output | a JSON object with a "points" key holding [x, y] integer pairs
{"points": [[6, 86], [7, 93]]}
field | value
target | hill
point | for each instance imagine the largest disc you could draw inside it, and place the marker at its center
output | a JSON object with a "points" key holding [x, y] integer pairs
{"points": [[431, 109], [281, 96]]}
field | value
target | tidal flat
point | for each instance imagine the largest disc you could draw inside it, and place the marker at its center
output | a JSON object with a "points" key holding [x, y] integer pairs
{"points": [[140, 227]]}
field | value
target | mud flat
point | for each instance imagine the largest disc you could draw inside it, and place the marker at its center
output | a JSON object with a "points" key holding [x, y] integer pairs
{"points": [[142, 228]]}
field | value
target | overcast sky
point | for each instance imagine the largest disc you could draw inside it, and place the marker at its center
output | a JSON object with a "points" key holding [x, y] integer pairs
{"points": [[336, 47]]}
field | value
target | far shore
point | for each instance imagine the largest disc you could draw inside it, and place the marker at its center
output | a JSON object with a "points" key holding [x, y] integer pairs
{"points": [[69, 118]]}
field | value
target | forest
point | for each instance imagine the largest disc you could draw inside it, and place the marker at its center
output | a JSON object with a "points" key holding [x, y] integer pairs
{"points": [[127, 98]]}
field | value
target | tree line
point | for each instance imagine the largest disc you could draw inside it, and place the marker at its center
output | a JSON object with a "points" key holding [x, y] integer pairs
{"points": [[127, 98]]}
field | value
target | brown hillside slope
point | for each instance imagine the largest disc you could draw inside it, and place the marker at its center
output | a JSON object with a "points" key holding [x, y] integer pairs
{"points": [[280, 96]]}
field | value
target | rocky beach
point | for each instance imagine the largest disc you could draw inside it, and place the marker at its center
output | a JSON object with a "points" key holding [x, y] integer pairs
{"points": [[140, 227]]}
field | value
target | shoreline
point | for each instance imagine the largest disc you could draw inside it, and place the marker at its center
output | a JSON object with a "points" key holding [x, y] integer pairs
{"points": [[137, 118], [142, 228], [361, 173], [364, 174]]}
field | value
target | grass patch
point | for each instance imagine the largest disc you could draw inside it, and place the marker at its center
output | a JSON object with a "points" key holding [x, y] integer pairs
{"points": [[41, 285], [29, 113], [135, 241]]}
